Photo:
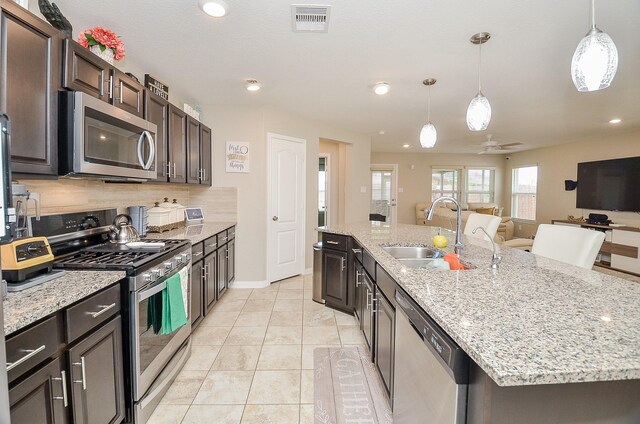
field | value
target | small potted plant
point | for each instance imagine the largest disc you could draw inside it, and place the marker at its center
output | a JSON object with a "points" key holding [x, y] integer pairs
{"points": [[103, 42]]}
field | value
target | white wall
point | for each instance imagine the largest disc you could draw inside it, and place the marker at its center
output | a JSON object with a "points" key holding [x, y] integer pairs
{"points": [[559, 163], [416, 182]]}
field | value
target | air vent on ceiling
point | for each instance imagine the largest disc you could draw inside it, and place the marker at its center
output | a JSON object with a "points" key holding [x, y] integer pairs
{"points": [[310, 18]]}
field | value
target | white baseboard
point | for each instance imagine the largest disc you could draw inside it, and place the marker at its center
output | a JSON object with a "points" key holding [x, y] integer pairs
{"points": [[308, 271], [249, 284]]}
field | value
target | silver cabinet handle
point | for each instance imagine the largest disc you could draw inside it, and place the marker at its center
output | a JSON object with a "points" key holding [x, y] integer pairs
{"points": [[104, 309], [213, 245], [224, 239], [373, 309], [356, 251], [333, 242], [358, 275], [343, 263], [63, 380], [83, 380], [121, 96], [204, 174], [369, 299], [164, 168], [203, 273], [197, 254], [30, 354], [110, 86]]}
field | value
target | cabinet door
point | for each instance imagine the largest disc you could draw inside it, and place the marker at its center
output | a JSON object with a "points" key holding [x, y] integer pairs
{"points": [[211, 279], [384, 339], [197, 293], [40, 398], [358, 277], [222, 270], [97, 382], [155, 110], [30, 70], [177, 141], [231, 264], [206, 177], [334, 277], [84, 71], [367, 314], [128, 94], [193, 151]]}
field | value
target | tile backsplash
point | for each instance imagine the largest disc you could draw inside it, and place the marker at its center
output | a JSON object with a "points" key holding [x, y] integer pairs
{"points": [[67, 195]]}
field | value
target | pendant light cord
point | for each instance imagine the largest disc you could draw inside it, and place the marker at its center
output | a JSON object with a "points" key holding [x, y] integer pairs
{"points": [[429, 104], [593, 14], [479, 68]]}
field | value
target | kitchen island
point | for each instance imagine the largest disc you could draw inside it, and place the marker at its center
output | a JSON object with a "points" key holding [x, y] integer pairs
{"points": [[530, 328]]}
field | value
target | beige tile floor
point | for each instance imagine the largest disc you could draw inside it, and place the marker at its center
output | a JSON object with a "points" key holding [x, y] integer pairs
{"points": [[252, 358]]}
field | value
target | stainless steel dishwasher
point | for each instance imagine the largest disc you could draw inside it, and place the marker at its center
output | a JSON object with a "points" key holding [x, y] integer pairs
{"points": [[431, 371]]}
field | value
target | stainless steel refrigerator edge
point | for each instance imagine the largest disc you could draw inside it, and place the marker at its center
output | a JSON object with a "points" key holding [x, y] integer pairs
{"points": [[5, 235]]}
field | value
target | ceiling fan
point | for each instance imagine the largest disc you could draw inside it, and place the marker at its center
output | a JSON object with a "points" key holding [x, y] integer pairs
{"points": [[493, 146]]}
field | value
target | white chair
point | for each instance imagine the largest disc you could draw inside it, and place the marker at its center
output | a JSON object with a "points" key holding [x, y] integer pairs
{"points": [[489, 222], [572, 245]]}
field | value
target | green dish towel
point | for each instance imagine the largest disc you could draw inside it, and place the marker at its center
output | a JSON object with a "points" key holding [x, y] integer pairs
{"points": [[174, 315]]}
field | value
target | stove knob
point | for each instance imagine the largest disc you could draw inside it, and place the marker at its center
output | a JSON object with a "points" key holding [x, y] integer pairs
{"points": [[156, 273], [168, 265], [185, 257], [146, 277], [179, 260]]}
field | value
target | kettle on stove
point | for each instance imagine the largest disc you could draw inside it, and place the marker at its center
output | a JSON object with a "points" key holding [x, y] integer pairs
{"points": [[122, 231]]}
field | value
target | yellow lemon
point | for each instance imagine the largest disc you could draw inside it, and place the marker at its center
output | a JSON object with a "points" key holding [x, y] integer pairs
{"points": [[440, 241]]}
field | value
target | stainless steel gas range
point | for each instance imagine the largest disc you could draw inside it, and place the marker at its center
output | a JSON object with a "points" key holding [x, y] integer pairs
{"points": [[153, 359]]}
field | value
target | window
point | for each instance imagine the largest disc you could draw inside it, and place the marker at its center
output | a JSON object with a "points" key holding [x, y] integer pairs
{"points": [[524, 185], [480, 185], [445, 182], [323, 195]]}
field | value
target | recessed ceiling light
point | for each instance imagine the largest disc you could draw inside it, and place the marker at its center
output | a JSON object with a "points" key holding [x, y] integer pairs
{"points": [[406, 146], [215, 8], [605, 318], [253, 85], [381, 88], [615, 121], [381, 132]]}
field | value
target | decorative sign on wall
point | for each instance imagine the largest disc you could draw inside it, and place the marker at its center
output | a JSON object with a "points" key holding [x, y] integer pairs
{"points": [[156, 87], [238, 156]]}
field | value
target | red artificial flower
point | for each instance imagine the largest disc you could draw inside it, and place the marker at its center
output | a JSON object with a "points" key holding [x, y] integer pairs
{"points": [[105, 38]]}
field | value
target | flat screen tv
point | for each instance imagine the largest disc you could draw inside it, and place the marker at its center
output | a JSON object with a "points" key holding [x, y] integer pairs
{"points": [[609, 185]]}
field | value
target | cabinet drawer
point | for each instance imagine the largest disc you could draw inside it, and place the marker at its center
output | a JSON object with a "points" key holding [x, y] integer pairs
{"points": [[210, 245], [334, 241], [231, 233], [89, 313], [369, 264], [386, 285], [356, 249], [29, 348], [223, 237], [197, 252]]}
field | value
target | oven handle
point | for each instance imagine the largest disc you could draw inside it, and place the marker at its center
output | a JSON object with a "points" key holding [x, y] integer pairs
{"points": [[150, 292]]}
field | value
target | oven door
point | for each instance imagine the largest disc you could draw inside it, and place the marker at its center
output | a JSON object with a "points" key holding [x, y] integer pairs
{"points": [[112, 142], [153, 350]]}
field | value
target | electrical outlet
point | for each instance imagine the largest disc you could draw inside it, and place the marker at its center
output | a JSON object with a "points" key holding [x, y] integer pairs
{"points": [[363, 189], [400, 190], [519, 227]]}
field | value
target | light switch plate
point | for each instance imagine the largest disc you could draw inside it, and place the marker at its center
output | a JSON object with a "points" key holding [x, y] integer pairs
{"points": [[363, 189]]}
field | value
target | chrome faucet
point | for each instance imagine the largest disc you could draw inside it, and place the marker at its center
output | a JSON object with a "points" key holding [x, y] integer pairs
{"points": [[429, 214], [495, 258]]}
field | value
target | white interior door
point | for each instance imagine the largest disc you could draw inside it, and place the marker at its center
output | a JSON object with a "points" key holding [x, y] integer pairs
{"points": [[383, 193], [286, 200]]}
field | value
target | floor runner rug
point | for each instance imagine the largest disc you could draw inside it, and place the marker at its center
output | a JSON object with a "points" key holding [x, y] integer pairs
{"points": [[347, 388]]}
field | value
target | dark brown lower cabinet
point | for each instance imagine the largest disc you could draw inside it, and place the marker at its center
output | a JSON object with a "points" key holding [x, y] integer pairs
{"points": [[334, 277], [222, 270], [210, 280], [40, 398], [384, 339], [197, 292], [358, 272], [367, 311], [97, 377], [231, 262]]}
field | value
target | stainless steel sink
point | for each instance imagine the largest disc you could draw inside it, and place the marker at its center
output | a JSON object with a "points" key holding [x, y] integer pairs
{"points": [[410, 252]]}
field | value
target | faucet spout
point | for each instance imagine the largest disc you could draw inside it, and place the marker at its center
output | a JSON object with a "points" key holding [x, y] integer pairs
{"points": [[495, 258], [458, 245]]}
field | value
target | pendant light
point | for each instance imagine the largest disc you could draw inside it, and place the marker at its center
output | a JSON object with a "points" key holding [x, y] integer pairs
{"points": [[479, 110], [428, 133], [595, 60]]}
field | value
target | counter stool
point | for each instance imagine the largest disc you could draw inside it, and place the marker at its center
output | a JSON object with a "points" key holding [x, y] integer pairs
{"points": [[572, 245]]}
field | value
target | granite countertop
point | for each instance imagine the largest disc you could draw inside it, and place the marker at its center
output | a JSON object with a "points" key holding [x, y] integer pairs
{"points": [[195, 233], [534, 321], [30, 305]]}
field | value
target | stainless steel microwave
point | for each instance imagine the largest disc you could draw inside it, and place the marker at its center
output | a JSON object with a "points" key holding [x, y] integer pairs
{"points": [[99, 140]]}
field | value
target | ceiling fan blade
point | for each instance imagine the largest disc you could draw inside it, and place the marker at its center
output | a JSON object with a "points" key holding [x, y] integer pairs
{"points": [[511, 145], [482, 152]]}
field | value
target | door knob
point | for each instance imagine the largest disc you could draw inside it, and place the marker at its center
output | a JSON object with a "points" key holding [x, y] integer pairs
{"points": [[275, 218]]}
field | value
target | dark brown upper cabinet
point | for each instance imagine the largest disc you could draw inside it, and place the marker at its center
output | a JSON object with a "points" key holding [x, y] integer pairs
{"points": [[177, 145], [29, 82], [156, 110], [193, 151], [206, 168], [86, 72]]}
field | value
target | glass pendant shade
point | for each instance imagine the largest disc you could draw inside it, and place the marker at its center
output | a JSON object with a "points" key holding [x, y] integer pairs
{"points": [[594, 62], [428, 136], [478, 113]]}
